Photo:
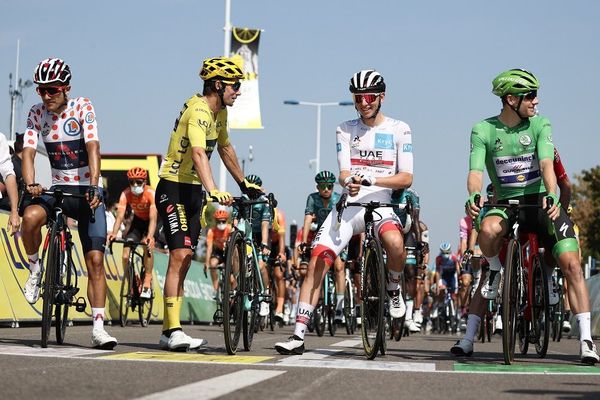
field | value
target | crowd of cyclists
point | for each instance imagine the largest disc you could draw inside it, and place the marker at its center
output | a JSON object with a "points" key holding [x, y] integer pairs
{"points": [[375, 159]]}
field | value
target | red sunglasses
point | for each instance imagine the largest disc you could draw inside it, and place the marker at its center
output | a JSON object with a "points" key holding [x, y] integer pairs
{"points": [[368, 97], [49, 90]]}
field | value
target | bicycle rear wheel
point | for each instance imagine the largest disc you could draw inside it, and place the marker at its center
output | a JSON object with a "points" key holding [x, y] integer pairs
{"points": [[50, 277], [126, 293], [510, 300], [61, 309], [373, 300], [233, 292], [145, 305], [319, 319], [331, 307], [540, 307]]}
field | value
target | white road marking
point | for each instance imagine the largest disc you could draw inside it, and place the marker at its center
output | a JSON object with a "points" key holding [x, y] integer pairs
{"points": [[347, 343], [60, 352], [215, 387], [317, 354], [345, 363]]}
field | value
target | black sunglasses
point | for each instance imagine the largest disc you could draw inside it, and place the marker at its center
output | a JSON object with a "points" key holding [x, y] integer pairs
{"points": [[324, 186], [234, 85], [531, 95]]}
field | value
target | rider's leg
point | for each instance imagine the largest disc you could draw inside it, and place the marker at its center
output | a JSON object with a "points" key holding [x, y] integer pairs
{"points": [[340, 283], [31, 234], [179, 264], [280, 283], [96, 290], [493, 229], [309, 293], [393, 243], [463, 295], [149, 267], [214, 276]]}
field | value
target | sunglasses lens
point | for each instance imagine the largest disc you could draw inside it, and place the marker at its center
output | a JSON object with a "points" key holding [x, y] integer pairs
{"points": [[368, 97], [136, 182], [236, 86], [324, 186], [50, 90], [531, 95]]}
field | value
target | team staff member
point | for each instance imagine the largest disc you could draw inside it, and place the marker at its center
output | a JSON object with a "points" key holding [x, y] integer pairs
{"points": [[8, 174], [185, 171], [140, 197], [216, 238], [69, 131]]}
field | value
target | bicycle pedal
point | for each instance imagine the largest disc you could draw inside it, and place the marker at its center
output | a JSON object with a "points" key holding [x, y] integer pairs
{"points": [[80, 304]]}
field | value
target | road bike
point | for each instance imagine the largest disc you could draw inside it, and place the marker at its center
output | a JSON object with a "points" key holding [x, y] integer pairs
{"points": [[557, 311]]}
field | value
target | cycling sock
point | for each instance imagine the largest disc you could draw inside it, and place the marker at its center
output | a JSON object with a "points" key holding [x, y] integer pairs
{"points": [[393, 282], [98, 317], [495, 264], [305, 313], [409, 309], [473, 321], [339, 297], [584, 321], [171, 313], [34, 263]]}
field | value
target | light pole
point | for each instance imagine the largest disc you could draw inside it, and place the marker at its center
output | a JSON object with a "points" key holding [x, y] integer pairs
{"points": [[250, 159], [318, 105], [15, 93]]}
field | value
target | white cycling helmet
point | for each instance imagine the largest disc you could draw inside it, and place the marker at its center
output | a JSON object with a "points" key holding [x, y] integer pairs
{"points": [[445, 248], [52, 70]]}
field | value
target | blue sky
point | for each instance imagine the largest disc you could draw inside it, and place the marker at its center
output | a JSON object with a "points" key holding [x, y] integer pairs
{"points": [[138, 62]]}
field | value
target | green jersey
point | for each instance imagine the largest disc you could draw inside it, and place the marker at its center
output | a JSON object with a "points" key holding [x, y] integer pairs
{"points": [[512, 155]]}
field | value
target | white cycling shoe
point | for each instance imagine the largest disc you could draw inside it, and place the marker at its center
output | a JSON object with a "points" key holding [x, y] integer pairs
{"points": [[412, 326], [294, 345], [31, 290], [490, 289], [588, 353], [102, 340], [179, 341], [397, 307], [264, 309]]}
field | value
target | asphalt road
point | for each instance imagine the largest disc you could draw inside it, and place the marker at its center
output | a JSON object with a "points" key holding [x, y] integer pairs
{"points": [[417, 367]]}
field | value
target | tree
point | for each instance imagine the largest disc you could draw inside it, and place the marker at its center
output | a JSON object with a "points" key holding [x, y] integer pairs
{"points": [[586, 210]]}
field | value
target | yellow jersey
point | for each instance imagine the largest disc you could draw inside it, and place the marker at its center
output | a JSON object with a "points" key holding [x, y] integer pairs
{"points": [[195, 127]]}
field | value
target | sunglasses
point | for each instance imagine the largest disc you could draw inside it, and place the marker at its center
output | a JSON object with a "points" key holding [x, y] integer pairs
{"points": [[324, 186], [234, 85], [368, 97], [49, 90], [221, 222], [531, 95], [137, 182]]}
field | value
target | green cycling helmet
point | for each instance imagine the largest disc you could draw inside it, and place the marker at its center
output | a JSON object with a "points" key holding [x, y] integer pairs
{"points": [[515, 82], [325, 177], [255, 179]]}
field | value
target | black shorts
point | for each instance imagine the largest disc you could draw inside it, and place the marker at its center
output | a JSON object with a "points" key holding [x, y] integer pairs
{"points": [[137, 230], [218, 254], [92, 235], [179, 206]]}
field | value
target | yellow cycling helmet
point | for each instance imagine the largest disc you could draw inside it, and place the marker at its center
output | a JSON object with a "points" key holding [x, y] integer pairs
{"points": [[220, 67]]}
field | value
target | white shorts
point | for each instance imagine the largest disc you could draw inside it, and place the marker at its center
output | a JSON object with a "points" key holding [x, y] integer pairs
{"points": [[333, 237]]}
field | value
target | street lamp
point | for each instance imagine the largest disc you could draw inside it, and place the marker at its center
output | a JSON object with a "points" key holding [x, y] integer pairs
{"points": [[250, 158], [318, 105]]}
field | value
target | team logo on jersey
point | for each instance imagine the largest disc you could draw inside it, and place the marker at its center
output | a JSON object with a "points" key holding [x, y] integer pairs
{"points": [[339, 147], [355, 142], [525, 140], [384, 141], [407, 148], [90, 117], [498, 145], [72, 127]]}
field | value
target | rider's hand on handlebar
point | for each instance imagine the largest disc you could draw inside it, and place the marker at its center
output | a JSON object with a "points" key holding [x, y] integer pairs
{"points": [[34, 189], [223, 198], [472, 205], [352, 183], [367, 180], [93, 196], [149, 242], [110, 237], [551, 205]]}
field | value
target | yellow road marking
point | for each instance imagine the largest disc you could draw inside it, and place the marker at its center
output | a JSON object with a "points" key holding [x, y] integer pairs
{"points": [[187, 357]]}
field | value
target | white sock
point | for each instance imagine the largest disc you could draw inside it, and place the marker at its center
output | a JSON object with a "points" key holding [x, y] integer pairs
{"points": [[409, 309], [473, 321], [305, 313], [339, 297], [495, 264], [34, 263], [393, 282], [98, 317], [584, 321]]}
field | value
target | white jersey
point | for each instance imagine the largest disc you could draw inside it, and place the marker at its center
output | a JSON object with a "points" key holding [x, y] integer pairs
{"points": [[382, 150], [65, 136]]}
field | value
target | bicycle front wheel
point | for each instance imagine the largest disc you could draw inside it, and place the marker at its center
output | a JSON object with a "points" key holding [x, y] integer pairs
{"points": [[233, 292], [540, 307], [252, 297], [373, 300], [61, 312], [349, 312], [510, 300], [126, 294], [50, 277]]}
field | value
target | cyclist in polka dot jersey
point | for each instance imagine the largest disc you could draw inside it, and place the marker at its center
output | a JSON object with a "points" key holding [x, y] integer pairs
{"points": [[68, 129]]}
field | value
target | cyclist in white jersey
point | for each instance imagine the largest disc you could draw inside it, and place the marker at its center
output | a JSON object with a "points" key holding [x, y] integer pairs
{"points": [[375, 157], [68, 129]]}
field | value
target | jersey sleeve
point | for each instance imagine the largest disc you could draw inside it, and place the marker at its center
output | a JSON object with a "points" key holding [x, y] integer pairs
{"points": [[6, 165], [33, 128], [343, 149], [545, 147], [88, 121], [478, 149], [197, 126], [310, 206], [404, 151]]}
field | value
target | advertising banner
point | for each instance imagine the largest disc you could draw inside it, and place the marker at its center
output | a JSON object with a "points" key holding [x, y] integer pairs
{"points": [[245, 113]]}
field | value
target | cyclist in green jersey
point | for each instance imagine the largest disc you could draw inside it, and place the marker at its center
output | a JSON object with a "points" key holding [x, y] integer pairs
{"points": [[516, 149]]}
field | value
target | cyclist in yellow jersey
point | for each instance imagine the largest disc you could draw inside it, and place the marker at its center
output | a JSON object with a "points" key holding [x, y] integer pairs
{"points": [[185, 171]]}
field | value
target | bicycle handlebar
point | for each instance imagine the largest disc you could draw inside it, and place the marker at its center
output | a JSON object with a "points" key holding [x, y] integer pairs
{"points": [[128, 243], [370, 206], [59, 194]]}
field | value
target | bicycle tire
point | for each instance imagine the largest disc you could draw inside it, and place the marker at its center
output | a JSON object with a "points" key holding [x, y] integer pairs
{"points": [[61, 311], [233, 298], [331, 308], [348, 307], [126, 293], [560, 316], [319, 318], [373, 300], [251, 318], [540, 307], [510, 300], [145, 305], [49, 284], [489, 318]]}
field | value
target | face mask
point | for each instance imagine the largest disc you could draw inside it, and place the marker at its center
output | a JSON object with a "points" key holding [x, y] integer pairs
{"points": [[137, 190], [313, 226], [221, 227]]}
